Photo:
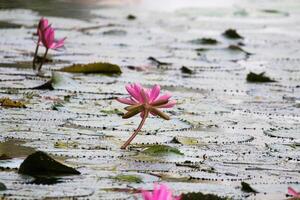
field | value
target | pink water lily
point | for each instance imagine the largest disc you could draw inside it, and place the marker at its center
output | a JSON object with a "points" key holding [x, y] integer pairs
{"points": [[160, 192], [293, 192], [43, 23], [46, 37], [145, 101]]}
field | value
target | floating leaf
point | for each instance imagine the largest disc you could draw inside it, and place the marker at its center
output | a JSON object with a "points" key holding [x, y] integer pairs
{"points": [[2, 187], [275, 12], [56, 106], [5, 157], [161, 150], [128, 178], [247, 188], [232, 34], [58, 81], [258, 78], [204, 41], [237, 48], [201, 196], [43, 180], [184, 140], [104, 68], [131, 17], [157, 62], [186, 70], [6, 25], [115, 32], [39, 163], [111, 112], [8, 103], [65, 145]]}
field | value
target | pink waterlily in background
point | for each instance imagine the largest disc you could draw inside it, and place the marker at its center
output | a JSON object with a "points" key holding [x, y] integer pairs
{"points": [[43, 23], [293, 192], [46, 37], [145, 101], [160, 192]]}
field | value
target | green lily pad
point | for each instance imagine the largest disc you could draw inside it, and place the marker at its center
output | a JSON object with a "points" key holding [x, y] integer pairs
{"points": [[39, 163], [201, 196], [258, 78], [93, 68], [5, 25], [232, 34], [128, 178], [161, 150], [204, 41], [112, 112], [186, 70], [247, 188], [2, 187], [131, 17]]}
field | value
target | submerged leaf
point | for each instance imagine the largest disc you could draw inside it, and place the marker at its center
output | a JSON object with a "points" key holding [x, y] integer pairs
{"points": [[8, 103], [258, 78], [161, 150], [247, 188], [232, 34], [128, 178], [39, 163], [105, 68], [201, 196]]}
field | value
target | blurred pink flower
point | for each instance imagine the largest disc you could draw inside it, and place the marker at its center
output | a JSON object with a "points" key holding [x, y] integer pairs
{"points": [[293, 192], [43, 23], [47, 38], [145, 101], [160, 192]]}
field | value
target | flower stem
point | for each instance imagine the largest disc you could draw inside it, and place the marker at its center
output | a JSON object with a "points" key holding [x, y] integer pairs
{"points": [[136, 131], [43, 60], [34, 57]]}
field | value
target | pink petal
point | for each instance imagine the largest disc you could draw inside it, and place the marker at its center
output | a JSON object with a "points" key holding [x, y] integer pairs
{"points": [[165, 193], [59, 43], [43, 23], [147, 195], [292, 192], [145, 96], [170, 104], [154, 92], [165, 97], [134, 92], [126, 101], [178, 198]]}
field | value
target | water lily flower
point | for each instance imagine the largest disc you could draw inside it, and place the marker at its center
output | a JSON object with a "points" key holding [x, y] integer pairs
{"points": [[43, 23], [293, 192], [46, 38], [160, 192], [145, 101]]}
